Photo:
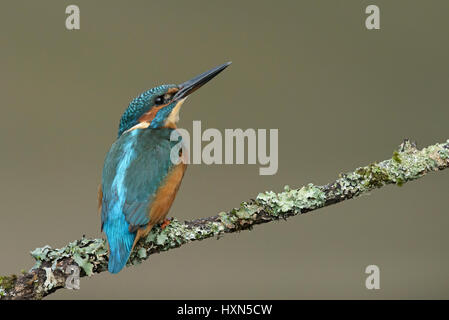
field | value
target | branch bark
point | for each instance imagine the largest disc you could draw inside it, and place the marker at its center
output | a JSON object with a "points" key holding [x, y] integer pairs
{"points": [[53, 266]]}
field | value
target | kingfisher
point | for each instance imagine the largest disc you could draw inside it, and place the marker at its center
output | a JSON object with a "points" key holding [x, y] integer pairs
{"points": [[140, 178]]}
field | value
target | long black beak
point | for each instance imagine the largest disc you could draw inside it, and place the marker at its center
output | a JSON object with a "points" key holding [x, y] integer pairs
{"points": [[194, 84]]}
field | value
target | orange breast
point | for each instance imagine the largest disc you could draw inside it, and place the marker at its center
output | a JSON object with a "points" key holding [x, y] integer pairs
{"points": [[165, 195]]}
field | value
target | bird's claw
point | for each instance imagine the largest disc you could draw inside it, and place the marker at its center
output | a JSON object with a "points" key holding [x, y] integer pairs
{"points": [[165, 223]]}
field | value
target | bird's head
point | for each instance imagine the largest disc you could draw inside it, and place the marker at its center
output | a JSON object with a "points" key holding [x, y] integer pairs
{"points": [[159, 107]]}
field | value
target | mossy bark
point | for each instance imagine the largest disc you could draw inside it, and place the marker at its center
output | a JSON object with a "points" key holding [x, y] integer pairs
{"points": [[90, 255]]}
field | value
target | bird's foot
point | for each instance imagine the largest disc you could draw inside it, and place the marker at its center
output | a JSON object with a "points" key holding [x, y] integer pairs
{"points": [[165, 223]]}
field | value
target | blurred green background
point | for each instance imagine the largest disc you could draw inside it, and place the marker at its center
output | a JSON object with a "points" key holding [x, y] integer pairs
{"points": [[340, 95]]}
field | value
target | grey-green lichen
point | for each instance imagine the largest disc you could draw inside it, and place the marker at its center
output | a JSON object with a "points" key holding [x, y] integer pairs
{"points": [[292, 200], [396, 157], [172, 236], [413, 163], [87, 253], [7, 283], [406, 164], [444, 153], [373, 176], [50, 280]]}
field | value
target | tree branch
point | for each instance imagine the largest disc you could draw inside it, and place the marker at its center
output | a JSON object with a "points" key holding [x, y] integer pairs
{"points": [[50, 271]]}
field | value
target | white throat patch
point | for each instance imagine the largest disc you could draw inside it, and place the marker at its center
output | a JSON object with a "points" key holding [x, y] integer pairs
{"points": [[173, 117]]}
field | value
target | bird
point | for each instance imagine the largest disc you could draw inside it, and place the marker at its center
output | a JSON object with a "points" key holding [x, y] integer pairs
{"points": [[139, 179]]}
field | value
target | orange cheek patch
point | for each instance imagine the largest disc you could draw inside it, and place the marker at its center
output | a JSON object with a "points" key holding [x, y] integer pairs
{"points": [[151, 114]]}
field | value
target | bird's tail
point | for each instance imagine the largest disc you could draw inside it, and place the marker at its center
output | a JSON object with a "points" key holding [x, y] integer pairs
{"points": [[120, 243]]}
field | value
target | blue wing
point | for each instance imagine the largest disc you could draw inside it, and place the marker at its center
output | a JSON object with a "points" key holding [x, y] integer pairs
{"points": [[134, 168]]}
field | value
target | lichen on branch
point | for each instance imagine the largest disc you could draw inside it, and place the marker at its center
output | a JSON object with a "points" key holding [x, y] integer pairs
{"points": [[50, 271]]}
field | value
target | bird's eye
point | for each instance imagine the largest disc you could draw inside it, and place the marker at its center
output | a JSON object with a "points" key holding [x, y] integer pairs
{"points": [[159, 100]]}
